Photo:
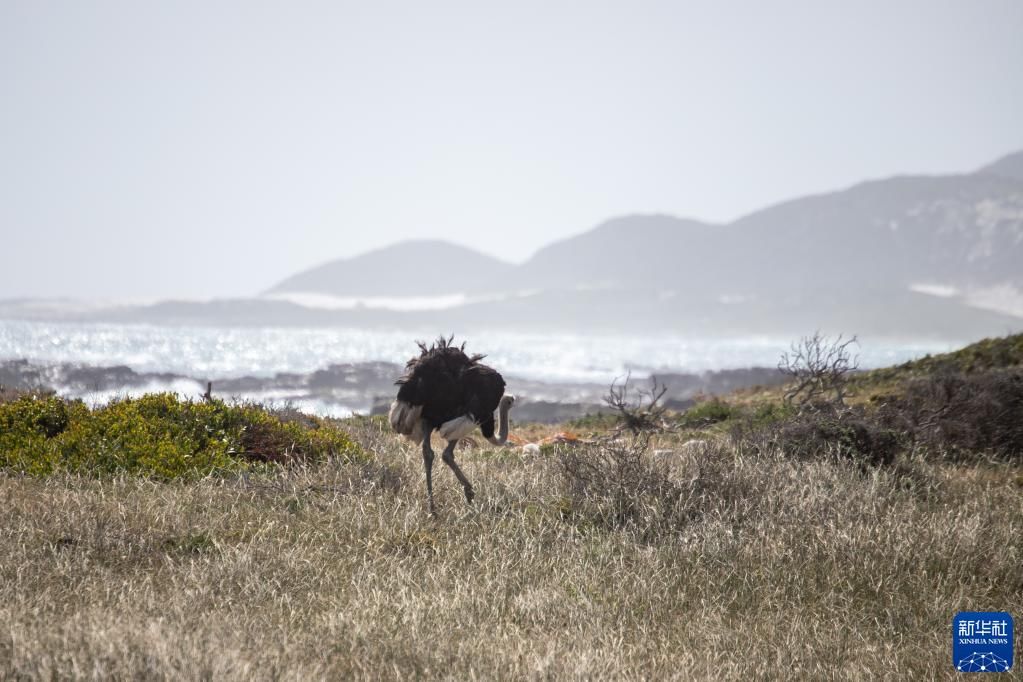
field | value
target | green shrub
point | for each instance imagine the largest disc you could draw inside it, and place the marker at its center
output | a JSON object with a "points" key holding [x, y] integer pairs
{"points": [[706, 413], [770, 413], [602, 421], [45, 415], [28, 426], [158, 435]]}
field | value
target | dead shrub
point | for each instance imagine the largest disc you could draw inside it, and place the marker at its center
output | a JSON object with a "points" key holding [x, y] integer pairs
{"points": [[819, 369], [961, 415], [645, 413], [616, 484], [825, 432]]}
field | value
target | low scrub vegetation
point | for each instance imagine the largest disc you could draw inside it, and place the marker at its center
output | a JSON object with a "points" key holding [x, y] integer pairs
{"points": [[826, 433], [960, 414], [616, 485], [706, 413], [944, 415], [964, 405], [996, 353], [157, 435]]}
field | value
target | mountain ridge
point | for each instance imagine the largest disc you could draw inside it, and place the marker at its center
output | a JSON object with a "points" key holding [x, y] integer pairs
{"points": [[935, 256], [908, 228]]}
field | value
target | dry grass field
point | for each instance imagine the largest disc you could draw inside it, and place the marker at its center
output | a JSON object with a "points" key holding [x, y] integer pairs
{"points": [[726, 562]]}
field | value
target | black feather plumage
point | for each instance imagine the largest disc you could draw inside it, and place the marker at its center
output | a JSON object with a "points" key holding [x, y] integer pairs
{"points": [[449, 384]]}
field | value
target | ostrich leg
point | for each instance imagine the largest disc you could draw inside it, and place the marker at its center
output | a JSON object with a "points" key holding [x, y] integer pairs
{"points": [[449, 458], [428, 463]]}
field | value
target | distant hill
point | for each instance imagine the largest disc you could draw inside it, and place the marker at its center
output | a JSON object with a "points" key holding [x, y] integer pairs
{"points": [[963, 231], [412, 268], [1010, 166], [630, 251]]}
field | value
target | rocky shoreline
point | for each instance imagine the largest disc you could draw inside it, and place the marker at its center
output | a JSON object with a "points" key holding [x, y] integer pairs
{"points": [[364, 387]]}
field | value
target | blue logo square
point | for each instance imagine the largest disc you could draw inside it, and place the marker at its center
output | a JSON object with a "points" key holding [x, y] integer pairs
{"points": [[982, 641]]}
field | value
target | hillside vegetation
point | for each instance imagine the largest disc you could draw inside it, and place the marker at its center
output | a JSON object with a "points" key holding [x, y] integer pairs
{"points": [[743, 538], [1002, 353]]}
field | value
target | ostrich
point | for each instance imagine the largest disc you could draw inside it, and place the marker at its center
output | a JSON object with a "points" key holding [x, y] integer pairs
{"points": [[447, 390]]}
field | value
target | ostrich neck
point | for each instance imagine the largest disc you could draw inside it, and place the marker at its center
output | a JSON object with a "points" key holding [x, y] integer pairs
{"points": [[502, 426]]}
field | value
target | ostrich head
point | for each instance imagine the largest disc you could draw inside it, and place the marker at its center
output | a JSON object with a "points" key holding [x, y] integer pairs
{"points": [[506, 402]]}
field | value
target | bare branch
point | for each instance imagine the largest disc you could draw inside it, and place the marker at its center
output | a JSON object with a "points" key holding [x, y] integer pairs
{"points": [[646, 413], [819, 368]]}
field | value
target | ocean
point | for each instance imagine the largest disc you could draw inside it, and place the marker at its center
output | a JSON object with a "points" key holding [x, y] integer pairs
{"points": [[214, 352]]}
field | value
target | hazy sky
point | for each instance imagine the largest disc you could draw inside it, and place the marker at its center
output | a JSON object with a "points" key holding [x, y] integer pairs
{"points": [[212, 148]]}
